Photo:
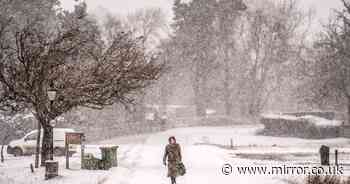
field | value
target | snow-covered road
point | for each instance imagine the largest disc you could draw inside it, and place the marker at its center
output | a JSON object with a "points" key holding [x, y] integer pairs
{"points": [[145, 161], [204, 162], [140, 158]]}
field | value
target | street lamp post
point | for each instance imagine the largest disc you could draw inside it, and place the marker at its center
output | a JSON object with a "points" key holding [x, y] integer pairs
{"points": [[51, 93]]}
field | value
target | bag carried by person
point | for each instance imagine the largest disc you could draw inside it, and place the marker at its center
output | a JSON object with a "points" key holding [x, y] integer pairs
{"points": [[181, 169]]}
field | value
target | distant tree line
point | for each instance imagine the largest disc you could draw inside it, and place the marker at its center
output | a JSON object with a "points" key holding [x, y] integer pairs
{"points": [[326, 73], [236, 55]]}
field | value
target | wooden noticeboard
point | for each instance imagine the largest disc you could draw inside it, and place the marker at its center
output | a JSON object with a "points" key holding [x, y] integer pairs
{"points": [[73, 138]]}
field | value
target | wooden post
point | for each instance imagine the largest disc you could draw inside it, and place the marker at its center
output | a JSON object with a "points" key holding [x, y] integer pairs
{"points": [[31, 168], [82, 155], [231, 143], [336, 157], [67, 152], [2, 154]]}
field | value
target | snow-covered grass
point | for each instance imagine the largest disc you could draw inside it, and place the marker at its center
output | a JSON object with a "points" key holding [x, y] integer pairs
{"points": [[140, 158], [322, 122], [17, 170], [317, 121]]}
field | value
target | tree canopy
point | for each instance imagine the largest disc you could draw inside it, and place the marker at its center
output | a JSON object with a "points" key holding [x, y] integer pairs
{"points": [[43, 47]]}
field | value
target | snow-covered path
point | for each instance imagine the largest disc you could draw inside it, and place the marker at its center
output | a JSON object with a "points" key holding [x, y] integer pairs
{"points": [[140, 158], [145, 161], [203, 163]]}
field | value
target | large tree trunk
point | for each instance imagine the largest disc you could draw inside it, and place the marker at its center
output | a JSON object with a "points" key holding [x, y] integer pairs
{"points": [[254, 105], [200, 108], [42, 115], [200, 91], [47, 144], [164, 99], [348, 110], [228, 104], [226, 87], [37, 152], [199, 99]]}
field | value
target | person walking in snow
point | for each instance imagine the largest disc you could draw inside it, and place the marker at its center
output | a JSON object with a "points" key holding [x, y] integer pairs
{"points": [[173, 156]]}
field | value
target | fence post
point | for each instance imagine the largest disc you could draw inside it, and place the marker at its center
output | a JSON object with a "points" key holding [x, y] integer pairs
{"points": [[82, 153], [336, 157], [31, 168], [66, 146]]}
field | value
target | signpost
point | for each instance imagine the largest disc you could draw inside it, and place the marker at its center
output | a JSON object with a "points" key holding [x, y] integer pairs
{"points": [[73, 138]]}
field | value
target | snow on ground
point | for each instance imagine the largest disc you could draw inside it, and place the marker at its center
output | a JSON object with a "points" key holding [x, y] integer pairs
{"points": [[140, 158], [317, 121]]}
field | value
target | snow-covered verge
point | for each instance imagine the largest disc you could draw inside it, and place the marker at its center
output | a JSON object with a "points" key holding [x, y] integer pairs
{"points": [[318, 121], [16, 170], [304, 126], [140, 158]]}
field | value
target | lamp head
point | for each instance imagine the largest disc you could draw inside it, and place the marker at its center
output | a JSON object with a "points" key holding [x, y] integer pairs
{"points": [[51, 94]]}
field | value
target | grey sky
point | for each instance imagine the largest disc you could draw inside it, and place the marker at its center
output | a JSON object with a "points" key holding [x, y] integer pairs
{"points": [[322, 7], [123, 6]]}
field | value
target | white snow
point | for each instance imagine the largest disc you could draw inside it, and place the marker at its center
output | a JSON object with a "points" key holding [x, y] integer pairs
{"points": [[322, 122], [28, 116], [140, 158]]}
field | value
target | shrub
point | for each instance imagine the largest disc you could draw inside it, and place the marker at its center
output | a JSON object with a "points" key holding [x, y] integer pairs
{"points": [[326, 180]]}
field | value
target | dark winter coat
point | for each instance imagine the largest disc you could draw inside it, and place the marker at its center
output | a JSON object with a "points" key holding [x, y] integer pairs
{"points": [[173, 155]]}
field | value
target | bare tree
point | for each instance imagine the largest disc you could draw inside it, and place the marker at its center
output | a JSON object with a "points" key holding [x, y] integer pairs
{"points": [[151, 26], [6, 133], [149, 23], [331, 74], [164, 89], [11, 127], [228, 14], [273, 41], [65, 52], [194, 29]]}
